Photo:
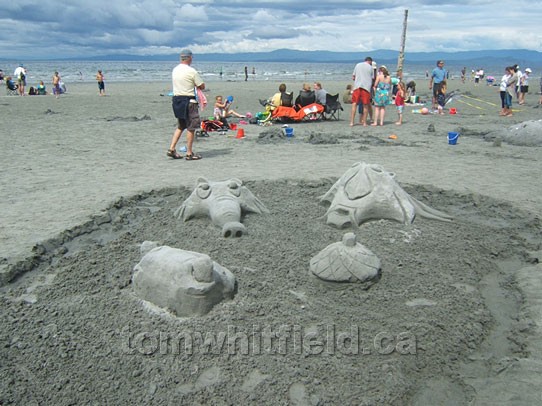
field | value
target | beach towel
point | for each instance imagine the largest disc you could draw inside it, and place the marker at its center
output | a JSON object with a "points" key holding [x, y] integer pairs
{"points": [[202, 100]]}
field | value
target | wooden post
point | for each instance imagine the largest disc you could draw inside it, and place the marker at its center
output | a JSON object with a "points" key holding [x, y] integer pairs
{"points": [[401, 58]]}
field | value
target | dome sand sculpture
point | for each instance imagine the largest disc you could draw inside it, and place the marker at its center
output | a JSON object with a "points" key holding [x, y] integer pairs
{"points": [[368, 192], [346, 261], [184, 282]]}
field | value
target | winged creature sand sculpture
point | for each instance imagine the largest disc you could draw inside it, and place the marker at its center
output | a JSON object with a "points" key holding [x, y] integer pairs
{"points": [[224, 202], [368, 192], [184, 282]]}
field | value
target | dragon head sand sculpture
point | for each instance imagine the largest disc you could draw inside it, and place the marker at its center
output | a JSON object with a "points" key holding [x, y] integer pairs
{"points": [[368, 192], [224, 202]]}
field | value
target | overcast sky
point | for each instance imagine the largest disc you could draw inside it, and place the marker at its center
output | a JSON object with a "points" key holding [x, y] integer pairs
{"points": [[34, 29]]}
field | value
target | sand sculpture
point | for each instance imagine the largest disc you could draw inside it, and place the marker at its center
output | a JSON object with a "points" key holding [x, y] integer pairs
{"points": [[224, 202], [346, 261], [368, 192], [184, 282]]}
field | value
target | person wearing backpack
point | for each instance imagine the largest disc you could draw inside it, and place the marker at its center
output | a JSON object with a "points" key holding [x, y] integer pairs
{"points": [[20, 76]]}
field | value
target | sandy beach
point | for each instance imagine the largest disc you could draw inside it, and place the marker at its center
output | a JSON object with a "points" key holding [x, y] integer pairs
{"points": [[85, 179]]}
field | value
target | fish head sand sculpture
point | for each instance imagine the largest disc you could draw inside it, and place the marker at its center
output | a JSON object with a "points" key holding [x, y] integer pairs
{"points": [[368, 192], [184, 282], [224, 202], [346, 261]]}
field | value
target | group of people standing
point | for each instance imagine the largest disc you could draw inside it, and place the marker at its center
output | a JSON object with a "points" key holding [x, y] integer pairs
{"points": [[373, 87], [514, 83]]}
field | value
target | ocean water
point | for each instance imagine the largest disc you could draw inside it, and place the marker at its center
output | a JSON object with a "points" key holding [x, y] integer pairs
{"points": [[157, 71]]}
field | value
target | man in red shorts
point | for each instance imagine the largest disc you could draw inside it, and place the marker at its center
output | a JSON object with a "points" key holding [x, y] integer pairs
{"points": [[363, 81]]}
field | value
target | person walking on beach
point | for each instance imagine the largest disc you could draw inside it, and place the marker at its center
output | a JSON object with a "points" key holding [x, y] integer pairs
{"points": [[435, 82], [185, 106], [101, 83], [246, 73], [56, 84], [20, 76], [363, 82]]}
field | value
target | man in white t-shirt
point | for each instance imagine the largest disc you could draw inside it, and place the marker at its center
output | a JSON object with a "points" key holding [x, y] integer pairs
{"points": [[185, 105], [363, 82], [20, 76]]}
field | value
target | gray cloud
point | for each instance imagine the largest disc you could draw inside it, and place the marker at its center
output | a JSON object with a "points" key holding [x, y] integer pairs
{"points": [[47, 29]]}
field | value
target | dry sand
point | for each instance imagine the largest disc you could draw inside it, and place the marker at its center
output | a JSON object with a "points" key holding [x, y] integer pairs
{"points": [[85, 180]]}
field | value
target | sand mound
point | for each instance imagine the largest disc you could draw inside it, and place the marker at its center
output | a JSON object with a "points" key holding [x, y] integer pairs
{"points": [[527, 133], [73, 330]]}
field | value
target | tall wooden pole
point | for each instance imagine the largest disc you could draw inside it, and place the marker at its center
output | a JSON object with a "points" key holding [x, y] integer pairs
{"points": [[401, 58]]}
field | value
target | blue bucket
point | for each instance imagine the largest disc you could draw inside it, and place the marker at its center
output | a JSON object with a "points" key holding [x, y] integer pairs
{"points": [[289, 131], [452, 138]]}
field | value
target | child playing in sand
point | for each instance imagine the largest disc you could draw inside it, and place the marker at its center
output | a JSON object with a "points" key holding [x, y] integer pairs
{"points": [[222, 108], [441, 97], [400, 101]]}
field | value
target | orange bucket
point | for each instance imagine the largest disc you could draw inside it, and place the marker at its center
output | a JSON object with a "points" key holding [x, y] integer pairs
{"points": [[240, 133], [453, 110]]}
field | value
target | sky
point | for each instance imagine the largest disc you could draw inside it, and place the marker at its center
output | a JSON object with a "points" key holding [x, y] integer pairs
{"points": [[52, 29]]}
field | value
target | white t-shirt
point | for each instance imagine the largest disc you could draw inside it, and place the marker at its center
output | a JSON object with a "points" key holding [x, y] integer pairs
{"points": [[504, 82], [363, 76], [18, 71], [185, 78], [519, 74]]}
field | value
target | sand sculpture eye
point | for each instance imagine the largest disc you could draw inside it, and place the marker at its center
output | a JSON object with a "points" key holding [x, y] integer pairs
{"points": [[203, 190], [234, 188]]}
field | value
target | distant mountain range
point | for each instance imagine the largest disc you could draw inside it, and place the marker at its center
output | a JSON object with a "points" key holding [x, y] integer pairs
{"points": [[483, 57]]}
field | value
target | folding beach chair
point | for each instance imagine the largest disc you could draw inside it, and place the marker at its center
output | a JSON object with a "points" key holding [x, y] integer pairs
{"points": [[333, 107], [11, 88], [287, 99], [305, 99]]}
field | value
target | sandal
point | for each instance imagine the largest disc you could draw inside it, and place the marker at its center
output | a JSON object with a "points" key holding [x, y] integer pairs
{"points": [[193, 157], [174, 154]]}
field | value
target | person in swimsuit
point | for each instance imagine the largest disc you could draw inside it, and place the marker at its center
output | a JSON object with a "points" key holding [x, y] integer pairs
{"points": [[101, 84]]}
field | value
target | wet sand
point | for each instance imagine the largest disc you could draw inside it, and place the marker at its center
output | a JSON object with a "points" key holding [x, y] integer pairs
{"points": [[86, 179]]}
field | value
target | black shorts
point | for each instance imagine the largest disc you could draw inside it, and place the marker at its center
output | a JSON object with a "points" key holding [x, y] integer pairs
{"points": [[524, 89], [193, 122]]}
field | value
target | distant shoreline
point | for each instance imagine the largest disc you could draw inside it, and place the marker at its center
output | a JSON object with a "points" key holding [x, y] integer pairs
{"points": [[295, 56]]}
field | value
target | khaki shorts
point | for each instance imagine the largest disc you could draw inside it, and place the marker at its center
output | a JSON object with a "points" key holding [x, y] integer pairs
{"points": [[193, 123]]}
